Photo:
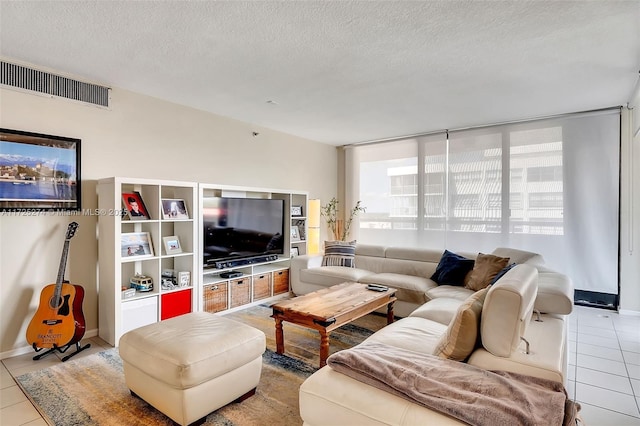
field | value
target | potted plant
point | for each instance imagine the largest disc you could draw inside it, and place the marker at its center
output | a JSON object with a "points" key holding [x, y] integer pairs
{"points": [[337, 227]]}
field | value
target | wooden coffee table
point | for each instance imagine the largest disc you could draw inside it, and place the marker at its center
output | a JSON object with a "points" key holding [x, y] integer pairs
{"points": [[327, 309]]}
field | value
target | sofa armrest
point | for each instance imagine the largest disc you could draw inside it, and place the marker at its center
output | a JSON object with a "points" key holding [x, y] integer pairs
{"points": [[298, 263], [555, 293], [306, 261]]}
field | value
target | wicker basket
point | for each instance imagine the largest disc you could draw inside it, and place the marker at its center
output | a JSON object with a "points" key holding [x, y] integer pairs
{"points": [[281, 281], [215, 297], [261, 286], [240, 291]]}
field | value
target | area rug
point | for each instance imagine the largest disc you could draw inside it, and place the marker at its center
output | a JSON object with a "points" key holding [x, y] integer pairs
{"points": [[91, 390]]}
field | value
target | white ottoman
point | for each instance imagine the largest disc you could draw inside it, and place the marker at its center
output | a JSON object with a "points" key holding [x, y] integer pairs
{"points": [[191, 365]]}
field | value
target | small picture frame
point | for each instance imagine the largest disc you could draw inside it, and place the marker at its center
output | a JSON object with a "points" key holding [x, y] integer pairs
{"points": [[136, 245], [294, 252], [295, 233], [172, 244], [296, 211], [184, 278], [136, 210], [174, 208]]}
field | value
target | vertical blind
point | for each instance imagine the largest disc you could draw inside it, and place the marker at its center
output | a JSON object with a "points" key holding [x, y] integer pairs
{"points": [[550, 186]]}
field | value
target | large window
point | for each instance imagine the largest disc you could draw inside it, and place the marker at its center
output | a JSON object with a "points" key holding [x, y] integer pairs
{"points": [[549, 186]]}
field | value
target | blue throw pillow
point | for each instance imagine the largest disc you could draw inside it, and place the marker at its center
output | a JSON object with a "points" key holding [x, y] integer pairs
{"points": [[452, 269], [502, 272]]}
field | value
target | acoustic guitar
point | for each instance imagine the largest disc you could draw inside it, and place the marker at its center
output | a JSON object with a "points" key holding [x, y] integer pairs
{"points": [[59, 321]]}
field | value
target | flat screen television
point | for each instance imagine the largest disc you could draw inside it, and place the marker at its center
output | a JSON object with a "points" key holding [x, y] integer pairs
{"points": [[240, 228]]}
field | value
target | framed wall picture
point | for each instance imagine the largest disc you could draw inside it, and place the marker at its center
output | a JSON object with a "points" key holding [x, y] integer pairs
{"points": [[172, 244], [295, 233], [136, 210], [39, 172], [296, 211], [184, 278], [136, 245], [173, 208]]}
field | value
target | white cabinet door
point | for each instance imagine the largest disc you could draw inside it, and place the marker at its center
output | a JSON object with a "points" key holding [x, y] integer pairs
{"points": [[136, 313]]}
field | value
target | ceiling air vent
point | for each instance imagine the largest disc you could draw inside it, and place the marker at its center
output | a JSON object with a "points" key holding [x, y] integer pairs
{"points": [[43, 82]]}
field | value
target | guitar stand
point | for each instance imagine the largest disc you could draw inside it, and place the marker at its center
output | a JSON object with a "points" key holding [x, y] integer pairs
{"points": [[61, 350]]}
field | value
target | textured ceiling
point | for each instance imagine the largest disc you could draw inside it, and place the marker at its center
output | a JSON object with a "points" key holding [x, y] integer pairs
{"points": [[342, 72]]}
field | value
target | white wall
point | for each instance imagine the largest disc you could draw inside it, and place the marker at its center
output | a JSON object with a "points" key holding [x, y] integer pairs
{"points": [[138, 136], [630, 208]]}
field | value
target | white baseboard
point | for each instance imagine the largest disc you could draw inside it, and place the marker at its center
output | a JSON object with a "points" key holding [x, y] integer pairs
{"points": [[28, 349], [629, 312]]}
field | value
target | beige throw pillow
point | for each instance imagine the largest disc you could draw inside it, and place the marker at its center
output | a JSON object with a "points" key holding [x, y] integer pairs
{"points": [[461, 337], [484, 270]]}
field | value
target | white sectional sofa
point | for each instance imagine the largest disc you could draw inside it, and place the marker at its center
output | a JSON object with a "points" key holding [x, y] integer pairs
{"points": [[522, 329], [409, 271]]}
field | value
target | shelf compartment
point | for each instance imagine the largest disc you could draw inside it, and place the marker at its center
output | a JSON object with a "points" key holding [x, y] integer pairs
{"points": [[281, 281], [240, 291], [175, 303], [215, 297], [261, 286], [139, 312]]}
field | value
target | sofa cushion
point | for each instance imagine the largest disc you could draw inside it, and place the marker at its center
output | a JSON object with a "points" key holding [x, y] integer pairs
{"points": [[546, 357], [461, 336], [485, 268], [441, 310], [411, 333], [339, 253], [332, 275], [452, 269], [449, 291], [410, 289]]}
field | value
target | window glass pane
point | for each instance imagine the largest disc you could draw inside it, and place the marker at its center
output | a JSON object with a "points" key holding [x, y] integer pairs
{"points": [[388, 188], [547, 186], [475, 182], [537, 181], [435, 187]]}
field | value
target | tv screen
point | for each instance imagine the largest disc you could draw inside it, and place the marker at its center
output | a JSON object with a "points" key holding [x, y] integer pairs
{"points": [[38, 172], [237, 228]]}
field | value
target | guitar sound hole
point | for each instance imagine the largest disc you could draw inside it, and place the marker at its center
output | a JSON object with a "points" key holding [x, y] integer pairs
{"points": [[53, 304]]}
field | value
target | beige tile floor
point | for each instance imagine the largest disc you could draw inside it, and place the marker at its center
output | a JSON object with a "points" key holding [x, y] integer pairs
{"points": [[604, 371]]}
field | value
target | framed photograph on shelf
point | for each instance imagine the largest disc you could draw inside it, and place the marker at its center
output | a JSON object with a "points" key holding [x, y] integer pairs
{"points": [[294, 252], [39, 172], [184, 278], [136, 210], [172, 245], [174, 209], [296, 211], [136, 244], [295, 233]]}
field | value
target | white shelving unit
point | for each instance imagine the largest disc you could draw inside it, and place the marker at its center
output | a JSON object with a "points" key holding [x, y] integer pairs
{"points": [[259, 281], [118, 315], [301, 200]]}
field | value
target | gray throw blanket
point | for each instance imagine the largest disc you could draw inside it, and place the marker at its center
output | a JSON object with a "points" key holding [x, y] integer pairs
{"points": [[467, 393]]}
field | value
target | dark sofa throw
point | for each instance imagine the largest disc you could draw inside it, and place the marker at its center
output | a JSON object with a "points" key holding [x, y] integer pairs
{"points": [[465, 392], [452, 269]]}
